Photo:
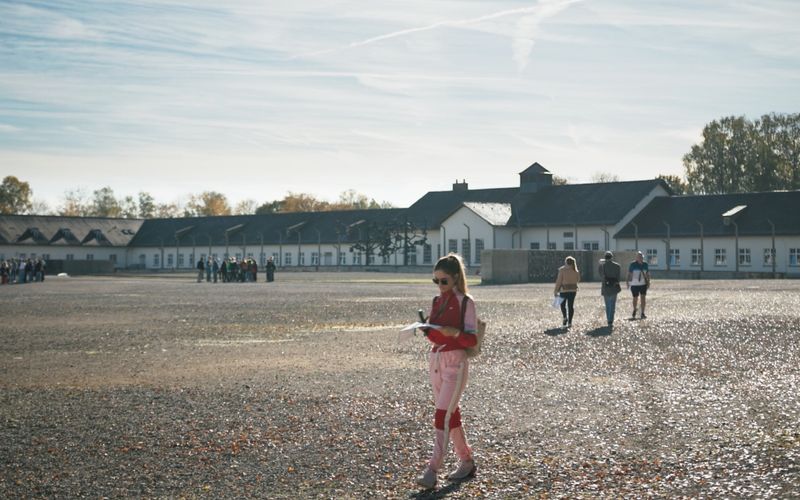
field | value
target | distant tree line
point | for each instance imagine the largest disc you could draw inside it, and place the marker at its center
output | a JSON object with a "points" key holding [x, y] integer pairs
{"points": [[16, 198], [736, 155]]}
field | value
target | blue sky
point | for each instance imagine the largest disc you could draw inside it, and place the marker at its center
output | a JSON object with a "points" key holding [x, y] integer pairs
{"points": [[390, 98]]}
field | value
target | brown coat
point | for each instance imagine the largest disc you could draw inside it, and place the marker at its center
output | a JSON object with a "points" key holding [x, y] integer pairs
{"points": [[567, 280]]}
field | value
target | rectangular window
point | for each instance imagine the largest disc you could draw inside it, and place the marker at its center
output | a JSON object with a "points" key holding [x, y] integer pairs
{"points": [[342, 258], [452, 246], [568, 235], [466, 251], [744, 257], [568, 245], [769, 256], [478, 249], [249, 255], [238, 257], [357, 258], [276, 258], [314, 258], [720, 258], [89, 256], [651, 254], [170, 260], [426, 253], [113, 258], [535, 245], [45, 256], [385, 260], [591, 245], [70, 256], [156, 260], [327, 258], [697, 257], [287, 258], [674, 257], [794, 255], [551, 245], [301, 259], [412, 255]]}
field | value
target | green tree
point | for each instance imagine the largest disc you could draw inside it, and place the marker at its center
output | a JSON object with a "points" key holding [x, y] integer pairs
{"points": [[147, 205], [739, 155], [270, 207], [105, 204], [129, 208], [15, 196]]}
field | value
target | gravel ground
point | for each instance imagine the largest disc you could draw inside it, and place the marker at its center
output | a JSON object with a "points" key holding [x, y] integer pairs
{"points": [[162, 387]]}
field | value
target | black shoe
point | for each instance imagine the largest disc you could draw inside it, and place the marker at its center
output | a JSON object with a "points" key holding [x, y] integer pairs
{"points": [[569, 325], [643, 316], [564, 323]]}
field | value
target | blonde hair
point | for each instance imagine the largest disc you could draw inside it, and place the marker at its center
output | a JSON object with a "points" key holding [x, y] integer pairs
{"points": [[453, 265], [570, 261]]}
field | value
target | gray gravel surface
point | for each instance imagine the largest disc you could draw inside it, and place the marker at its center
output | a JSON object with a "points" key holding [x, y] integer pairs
{"points": [[162, 387]]}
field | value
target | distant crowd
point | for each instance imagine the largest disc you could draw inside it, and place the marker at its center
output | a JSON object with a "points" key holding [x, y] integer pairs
{"points": [[232, 270], [21, 271]]}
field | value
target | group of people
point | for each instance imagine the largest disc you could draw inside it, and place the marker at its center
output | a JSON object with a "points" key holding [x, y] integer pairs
{"points": [[22, 270], [232, 270], [638, 280]]}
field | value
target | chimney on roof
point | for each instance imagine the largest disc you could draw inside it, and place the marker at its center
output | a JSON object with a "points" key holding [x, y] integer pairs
{"points": [[460, 187]]}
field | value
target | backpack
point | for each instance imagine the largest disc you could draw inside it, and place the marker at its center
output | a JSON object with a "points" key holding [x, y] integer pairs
{"points": [[476, 349]]}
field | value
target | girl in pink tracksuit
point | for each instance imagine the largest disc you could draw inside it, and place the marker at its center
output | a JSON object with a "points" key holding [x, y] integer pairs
{"points": [[449, 366]]}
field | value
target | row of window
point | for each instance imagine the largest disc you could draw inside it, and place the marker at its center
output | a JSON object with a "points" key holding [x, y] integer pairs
{"points": [[721, 257], [466, 249]]}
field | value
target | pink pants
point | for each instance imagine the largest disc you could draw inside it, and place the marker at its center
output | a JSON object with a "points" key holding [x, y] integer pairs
{"points": [[448, 372]]}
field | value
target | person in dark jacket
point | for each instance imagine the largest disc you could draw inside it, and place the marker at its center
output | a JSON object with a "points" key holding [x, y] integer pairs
{"points": [[610, 274], [200, 268], [270, 269]]}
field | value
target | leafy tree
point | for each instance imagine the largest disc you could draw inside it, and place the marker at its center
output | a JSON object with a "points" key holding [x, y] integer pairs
{"points": [[739, 155], [676, 183], [105, 204], [302, 202], [207, 203], [75, 204], [167, 210], [245, 207], [147, 205], [270, 207], [372, 237], [15, 196], [128, 208]]}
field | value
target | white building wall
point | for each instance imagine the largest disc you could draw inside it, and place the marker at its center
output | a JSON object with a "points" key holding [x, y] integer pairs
{"points": [[565, 238], [462, 225], [712, 247], [65, 252]]}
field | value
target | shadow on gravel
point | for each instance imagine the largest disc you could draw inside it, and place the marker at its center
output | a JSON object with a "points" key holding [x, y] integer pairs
{"points": [[556, 331], [602, 331], [440, 493]]}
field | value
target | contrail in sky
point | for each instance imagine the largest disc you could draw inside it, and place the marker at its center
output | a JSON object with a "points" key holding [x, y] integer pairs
{"points": [[544, 9]]}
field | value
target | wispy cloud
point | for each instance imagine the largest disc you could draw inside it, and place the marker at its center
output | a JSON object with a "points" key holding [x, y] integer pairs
{"points": [[527, 28]]}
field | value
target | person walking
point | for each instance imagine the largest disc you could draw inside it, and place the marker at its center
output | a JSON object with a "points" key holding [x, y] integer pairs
{"points": [[454, 310], [200, 268], [215, 268], [610, 273], [567, 287], [270, 269], [638, 282]]}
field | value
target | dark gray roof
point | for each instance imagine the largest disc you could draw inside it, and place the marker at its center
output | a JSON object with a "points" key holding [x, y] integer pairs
{"points": [[432, 209], [581, 204], [53, 230], [682, 213], [536, 168], [325, 227]]}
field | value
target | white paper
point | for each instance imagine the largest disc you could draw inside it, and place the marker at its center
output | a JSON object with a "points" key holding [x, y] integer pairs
{"points": [[413, 326], [557, 300]]}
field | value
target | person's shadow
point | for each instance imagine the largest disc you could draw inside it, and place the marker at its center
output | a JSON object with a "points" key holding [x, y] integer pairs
{"points": [[601, 331], [554, 332], [439, 493]]}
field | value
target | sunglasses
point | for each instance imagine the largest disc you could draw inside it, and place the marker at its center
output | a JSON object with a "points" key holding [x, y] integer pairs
{"points": [[442, 281]]}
